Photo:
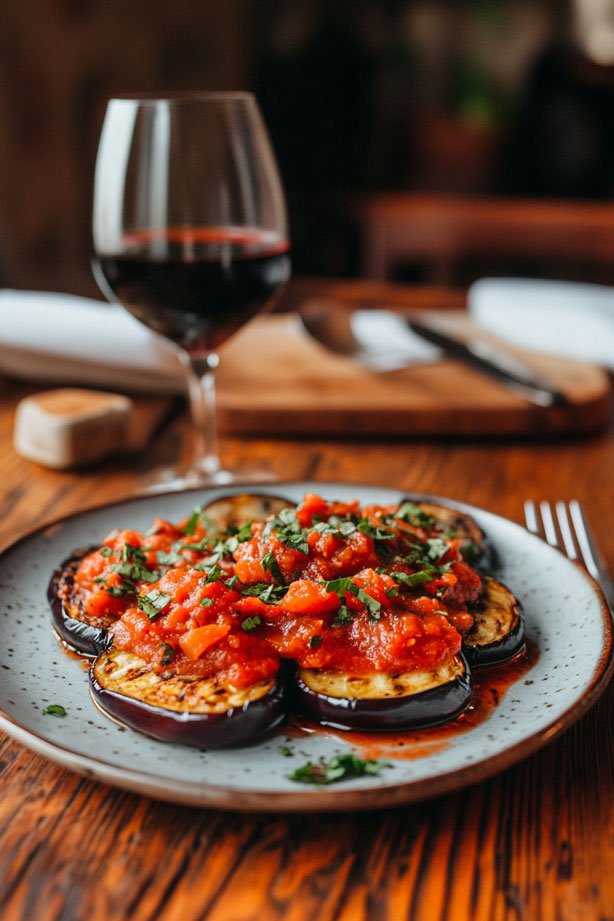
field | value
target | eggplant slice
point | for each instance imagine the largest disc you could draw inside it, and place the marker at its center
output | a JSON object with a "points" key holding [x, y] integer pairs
{"points": [[177, 708], [498, 633], [235, 511], [86, 635], [385, 703], [477, 551]]}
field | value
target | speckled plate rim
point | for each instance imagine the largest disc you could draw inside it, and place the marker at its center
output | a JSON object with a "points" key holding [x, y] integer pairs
{"points": [[331, 798]]}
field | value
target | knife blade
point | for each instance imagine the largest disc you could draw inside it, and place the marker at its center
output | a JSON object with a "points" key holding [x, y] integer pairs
{"points": [[500, 365]]}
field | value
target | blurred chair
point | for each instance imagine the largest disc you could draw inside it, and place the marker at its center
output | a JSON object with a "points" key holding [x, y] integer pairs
{"points": [[442, 235]]}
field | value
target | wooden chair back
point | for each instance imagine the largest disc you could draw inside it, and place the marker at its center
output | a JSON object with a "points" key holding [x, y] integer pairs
{"points": [[441, 233]]}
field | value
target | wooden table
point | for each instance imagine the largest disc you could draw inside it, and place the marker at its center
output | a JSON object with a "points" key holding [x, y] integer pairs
{"points": [[535, 842]]}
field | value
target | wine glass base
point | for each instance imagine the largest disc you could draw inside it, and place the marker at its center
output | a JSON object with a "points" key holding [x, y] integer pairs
{"points": [[172, 480]]}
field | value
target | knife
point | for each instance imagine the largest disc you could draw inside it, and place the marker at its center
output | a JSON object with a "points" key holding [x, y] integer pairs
{"points": [[500, 365]]}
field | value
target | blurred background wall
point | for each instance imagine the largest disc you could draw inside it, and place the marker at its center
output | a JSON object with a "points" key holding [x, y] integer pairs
{"points": [[490, 97]]}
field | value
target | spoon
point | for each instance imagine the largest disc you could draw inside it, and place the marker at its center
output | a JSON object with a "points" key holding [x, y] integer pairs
{"points": [[379, 341]]}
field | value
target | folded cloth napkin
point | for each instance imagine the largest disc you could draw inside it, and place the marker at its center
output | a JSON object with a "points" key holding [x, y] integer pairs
{"points": [[556, 317], [62, 338]]}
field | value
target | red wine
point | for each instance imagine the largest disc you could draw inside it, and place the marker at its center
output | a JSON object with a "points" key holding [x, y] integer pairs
{"points": [[196, 286]]}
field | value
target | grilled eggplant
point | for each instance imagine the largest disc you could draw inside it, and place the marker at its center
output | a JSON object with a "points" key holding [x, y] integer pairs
{"points": [[86, 635], [232, 512], [175, 708], [498, 633], [477, 549], [384, 703]]}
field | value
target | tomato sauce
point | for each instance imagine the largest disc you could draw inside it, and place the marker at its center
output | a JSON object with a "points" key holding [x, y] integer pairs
{"points": [[327, 585]]}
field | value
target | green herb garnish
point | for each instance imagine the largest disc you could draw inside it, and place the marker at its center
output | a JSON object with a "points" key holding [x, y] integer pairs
{"points": [[266, 591], [168, 559], [337, 527], [132, 572], [55, 710], [412, 514], [341, 767], [437, 548], [415, 578], [375, 531], [250, 623], [193, 521], [342, 586], [212, 573], [287, 530], [343, 617], [270, 564], [153, 603]]}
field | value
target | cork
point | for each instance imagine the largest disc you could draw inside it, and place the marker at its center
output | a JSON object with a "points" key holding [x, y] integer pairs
{"points": [[71, 427]]}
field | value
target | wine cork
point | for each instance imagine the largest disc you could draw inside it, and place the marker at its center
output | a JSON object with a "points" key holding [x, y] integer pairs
{"points": [[70, 427]]}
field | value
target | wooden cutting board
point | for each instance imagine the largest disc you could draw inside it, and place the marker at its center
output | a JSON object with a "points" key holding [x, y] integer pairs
{"points": [[274, 380]]}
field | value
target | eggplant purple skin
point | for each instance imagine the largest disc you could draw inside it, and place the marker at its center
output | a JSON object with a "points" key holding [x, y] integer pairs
{"points": [[84, 638], [508, 646], [416, 711], [502, 650], [199, 730]]}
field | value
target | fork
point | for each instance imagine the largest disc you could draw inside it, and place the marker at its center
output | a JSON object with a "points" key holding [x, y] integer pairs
{"points": [[567, 529]]}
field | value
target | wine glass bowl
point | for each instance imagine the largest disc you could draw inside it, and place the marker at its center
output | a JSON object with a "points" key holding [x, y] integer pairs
{"points": [[190, 233]]}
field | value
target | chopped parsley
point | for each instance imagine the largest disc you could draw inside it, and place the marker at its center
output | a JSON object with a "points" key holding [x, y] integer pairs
{"points": [[168, 559], [341, 767], [287, 530], [437, 548], [337, 527], [265, 591], [213, 573], [375, 531], [193, 521], [415, 578], [55, 710], [270, 564], [343, 617], [153, 603], [342, 586], [132, 569], [250, 623], [132, 554], [412, 514], [132, 572]]}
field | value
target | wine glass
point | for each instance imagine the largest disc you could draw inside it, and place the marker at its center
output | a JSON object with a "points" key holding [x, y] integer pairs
{"points": [[190, 235]]}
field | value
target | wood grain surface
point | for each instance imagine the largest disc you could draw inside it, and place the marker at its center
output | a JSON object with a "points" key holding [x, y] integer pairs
{"points": [[535, 843], [274, 379]]}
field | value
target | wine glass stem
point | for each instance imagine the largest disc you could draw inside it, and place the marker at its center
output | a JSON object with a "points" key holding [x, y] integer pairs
{"points": [[201, 390]]}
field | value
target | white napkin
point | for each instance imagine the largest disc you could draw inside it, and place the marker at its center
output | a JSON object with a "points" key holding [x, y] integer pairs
{"points": [[63, 338], [556, 317]]}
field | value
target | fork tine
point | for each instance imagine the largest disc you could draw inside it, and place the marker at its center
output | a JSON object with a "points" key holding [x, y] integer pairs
{"points": [[585, 541], [530, 516], [565, 529], [571, 533], [548, 522]]}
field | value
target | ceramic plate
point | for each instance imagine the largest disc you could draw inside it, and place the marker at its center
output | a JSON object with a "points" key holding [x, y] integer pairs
{"points": [[566, 619]]}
